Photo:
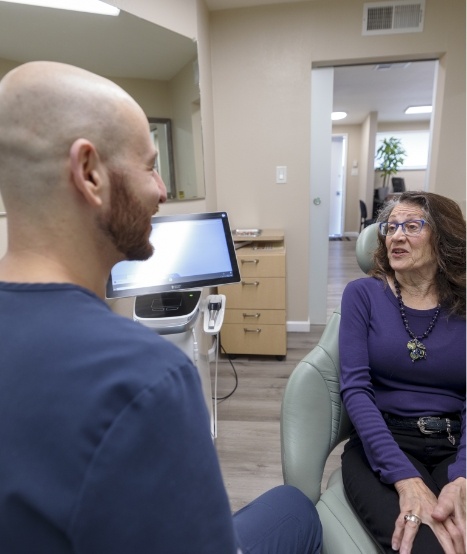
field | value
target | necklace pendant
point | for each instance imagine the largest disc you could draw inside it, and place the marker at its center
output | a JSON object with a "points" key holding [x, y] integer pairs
{"points": [[417, 350]]}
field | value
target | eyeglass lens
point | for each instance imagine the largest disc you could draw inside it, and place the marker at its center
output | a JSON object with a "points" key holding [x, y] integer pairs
{"points": [[408, 227]]}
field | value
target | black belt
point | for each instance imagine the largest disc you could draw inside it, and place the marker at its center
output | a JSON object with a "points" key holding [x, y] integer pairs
{"points": [[427, 424]]}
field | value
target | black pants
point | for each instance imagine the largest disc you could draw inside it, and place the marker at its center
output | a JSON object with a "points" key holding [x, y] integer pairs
{"points": [[376, 503]]}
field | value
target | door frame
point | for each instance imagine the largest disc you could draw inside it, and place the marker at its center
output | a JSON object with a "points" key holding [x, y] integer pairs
{"points": [[342, 195], [322, 93]]}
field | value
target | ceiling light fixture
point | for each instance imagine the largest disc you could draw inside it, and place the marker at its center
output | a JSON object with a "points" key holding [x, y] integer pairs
{"points": [[335, 116], [89, 6], [418, 109]]}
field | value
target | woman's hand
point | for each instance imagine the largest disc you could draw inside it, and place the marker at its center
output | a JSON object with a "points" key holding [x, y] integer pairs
{"points": [[451, 506], [416, 498]]}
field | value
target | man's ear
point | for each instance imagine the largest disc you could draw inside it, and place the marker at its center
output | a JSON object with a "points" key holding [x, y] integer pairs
{"points": [[86, 171]]}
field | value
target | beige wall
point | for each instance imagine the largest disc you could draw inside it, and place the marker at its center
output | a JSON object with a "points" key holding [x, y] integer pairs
{"points": [[184, 95], [152, 96], [352, 194], [261, 62], [177, 15]]}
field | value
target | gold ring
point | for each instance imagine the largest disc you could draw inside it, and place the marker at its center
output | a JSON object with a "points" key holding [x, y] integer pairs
{"points": [[412, 517]]}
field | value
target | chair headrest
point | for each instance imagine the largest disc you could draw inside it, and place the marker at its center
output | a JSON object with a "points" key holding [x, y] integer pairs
{"points": [[367, 243]]}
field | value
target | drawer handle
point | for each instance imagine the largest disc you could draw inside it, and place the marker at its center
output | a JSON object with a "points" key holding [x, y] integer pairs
{"points": [[254, 284], [251, 330], [256, 316], [249, 261]]}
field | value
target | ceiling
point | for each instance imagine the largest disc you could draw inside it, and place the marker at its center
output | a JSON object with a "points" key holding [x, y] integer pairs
{"points": [[229, 4], [127, 46], [385, 88], [123, 46]]}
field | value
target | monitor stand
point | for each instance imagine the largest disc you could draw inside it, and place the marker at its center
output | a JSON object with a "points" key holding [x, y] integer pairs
{"points": [[175, 316], [168, 313]]}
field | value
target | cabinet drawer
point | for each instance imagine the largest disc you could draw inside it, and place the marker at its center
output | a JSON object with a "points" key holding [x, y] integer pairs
{"points": [[254, 339], [265, 292], [255, 317], [261, 265]]}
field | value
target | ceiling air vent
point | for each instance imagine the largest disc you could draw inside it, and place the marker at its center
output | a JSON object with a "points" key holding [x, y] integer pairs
{"points": [[398, 16]]}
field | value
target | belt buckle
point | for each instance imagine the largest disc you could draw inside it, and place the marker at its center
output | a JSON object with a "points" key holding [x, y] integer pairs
{"points": [[422, 422]]}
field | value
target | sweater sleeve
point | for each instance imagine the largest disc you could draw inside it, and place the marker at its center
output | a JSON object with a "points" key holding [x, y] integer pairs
{"points": [[457, 469], [154, 483], [383, 453]]}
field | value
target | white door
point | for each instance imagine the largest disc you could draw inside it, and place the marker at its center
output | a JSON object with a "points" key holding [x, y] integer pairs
{"points": [[336, 188]]}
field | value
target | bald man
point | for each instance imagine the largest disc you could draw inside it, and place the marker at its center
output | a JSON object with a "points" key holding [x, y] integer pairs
{"points": [[105, 442]]}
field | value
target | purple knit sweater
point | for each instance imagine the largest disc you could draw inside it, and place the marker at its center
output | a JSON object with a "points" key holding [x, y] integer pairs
{"points": [[377, 374]]}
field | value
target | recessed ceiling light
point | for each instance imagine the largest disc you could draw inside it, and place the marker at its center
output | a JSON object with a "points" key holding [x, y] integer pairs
{"points": [[335, 116], [418, 109], [90, 6]]}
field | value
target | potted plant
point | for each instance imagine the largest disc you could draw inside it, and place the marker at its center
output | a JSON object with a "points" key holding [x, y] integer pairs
{"points": [[391, 155]]}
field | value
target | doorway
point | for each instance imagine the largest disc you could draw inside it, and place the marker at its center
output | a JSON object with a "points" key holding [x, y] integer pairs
{"points": [[359, 183]]}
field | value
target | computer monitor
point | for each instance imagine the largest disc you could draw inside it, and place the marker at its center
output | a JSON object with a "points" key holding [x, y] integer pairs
{"points": [[398, 184], [190, 251]]}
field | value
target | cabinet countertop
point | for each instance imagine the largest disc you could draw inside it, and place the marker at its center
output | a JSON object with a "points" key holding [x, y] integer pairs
{"points": [[266, 235]]}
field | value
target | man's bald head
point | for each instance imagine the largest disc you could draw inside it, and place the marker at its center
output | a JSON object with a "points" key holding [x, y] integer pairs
{"points": [[44, 108]]}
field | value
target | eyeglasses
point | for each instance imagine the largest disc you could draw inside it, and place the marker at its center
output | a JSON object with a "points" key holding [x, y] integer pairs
{"points": [[410, 228]]}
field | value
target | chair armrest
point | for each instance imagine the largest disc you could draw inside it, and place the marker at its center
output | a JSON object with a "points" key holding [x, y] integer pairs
{"points": [[305, 430], [313, 420], [342, 529]]}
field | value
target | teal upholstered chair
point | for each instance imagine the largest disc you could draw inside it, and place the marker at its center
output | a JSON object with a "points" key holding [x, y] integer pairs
{"points": [[314, 422]]}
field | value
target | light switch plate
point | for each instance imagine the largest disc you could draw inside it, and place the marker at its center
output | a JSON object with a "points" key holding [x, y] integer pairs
{"points": [[281, 174]]}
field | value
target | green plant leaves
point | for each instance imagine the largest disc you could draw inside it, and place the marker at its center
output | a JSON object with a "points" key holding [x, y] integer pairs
{"points": [[391, 155]]}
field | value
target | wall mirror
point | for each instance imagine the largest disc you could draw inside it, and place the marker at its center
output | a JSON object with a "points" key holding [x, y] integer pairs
{"points": [[157, 66]]}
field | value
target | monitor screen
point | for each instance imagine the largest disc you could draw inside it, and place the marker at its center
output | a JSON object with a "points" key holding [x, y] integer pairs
{"points": [[190, 251], [398, 184]]}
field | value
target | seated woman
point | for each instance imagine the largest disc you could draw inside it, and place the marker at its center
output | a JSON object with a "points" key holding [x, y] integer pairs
{"points": [[403, 354]]}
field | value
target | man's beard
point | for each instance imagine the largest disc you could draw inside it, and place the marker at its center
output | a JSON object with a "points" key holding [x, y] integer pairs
{"points": [[128, 221]]}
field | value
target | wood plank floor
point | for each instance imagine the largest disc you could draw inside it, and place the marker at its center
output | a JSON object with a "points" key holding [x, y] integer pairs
{"points": [[248, 441]]}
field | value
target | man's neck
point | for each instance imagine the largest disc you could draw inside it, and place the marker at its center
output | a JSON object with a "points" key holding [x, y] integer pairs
{"points": [[33, 267]]}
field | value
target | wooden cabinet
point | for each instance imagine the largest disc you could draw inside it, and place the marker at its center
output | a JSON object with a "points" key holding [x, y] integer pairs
{"points": [[254, 321]]}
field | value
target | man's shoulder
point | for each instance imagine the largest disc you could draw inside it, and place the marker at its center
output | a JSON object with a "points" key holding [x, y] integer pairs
{"points": [[125, 342], [82, 333]]}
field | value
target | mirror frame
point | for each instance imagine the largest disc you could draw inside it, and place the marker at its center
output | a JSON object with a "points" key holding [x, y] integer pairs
{"points": [[170, 183]]}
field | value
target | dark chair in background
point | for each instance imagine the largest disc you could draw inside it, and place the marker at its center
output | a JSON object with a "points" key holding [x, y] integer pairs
{"points": [[398, 184], [379, 199], [364, 221]]}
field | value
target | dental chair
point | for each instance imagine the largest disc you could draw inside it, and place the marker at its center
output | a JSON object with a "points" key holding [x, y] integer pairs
{"points": [[314, 422]]}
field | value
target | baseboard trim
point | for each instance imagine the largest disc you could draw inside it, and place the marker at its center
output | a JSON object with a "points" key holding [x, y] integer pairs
{"points": [[298, 326]]}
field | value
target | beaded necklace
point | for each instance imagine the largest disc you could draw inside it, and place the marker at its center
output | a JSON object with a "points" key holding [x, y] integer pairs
{"points": [[417, 350]]}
